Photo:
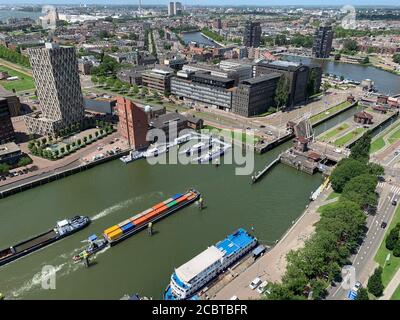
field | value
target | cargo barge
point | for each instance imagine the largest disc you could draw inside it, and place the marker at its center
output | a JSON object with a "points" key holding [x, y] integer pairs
{"points": [[127, 228], [62, 229], [191, 277]]}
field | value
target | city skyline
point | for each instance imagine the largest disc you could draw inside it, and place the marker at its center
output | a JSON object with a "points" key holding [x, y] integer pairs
{"points": [[239, 3]]}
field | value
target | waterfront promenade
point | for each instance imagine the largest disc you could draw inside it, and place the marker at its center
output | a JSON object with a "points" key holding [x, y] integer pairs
{"points": [[272, 265]]}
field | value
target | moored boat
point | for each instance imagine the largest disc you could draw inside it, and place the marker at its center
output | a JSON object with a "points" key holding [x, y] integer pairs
{"points": [[191, 277]]}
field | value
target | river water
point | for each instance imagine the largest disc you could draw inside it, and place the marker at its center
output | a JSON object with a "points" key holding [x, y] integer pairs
{"points": [[199, 38], [112, 192], [385, 82], [5, 14]]}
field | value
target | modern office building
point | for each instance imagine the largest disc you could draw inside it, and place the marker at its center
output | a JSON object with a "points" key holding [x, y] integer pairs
{"points": [[6, 127], [252, 34], [256, 95], [323, 38], [158, 79], [104, 104], [174, 8], [296, 75], [228, 70], [55, 70], [171, 9], [133, 124], [217, 23], [177, 8], [204, 88]]}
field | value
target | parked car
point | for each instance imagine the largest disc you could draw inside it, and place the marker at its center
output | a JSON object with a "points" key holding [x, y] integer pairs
{"points": [[357, 286], [383, 225], [234, 298], [394, 202], [262, 287], [255, 283]]}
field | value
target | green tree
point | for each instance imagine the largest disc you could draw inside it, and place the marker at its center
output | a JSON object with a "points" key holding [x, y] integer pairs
{"points": [[396, 58], [68, 147], [362, 294], [4, 168], [350, 46], [24, 161], [85, 139], [396, 249], [360, 150], [325, 86], [375, 285], [361, 190], [90, 137], [56, 153], [345, 170], [365, 60], [96, 134], [392, 237], [282, 92], [62, 150], [79, 142], [44, 141]]}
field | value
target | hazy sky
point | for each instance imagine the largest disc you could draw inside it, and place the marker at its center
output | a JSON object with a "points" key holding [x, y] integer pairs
{"points": [[214, 2]]}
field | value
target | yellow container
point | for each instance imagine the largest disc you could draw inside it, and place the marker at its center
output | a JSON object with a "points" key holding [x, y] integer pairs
{"points": [[115, 234], [111, 229]]}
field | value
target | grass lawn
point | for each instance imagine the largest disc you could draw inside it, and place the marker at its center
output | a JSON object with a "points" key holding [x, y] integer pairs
{"points": [[24, 83], [322, 208], [396, 294], [395, 136], [347, 137], [393, 265], [377, 145], [331, 111], [335, 132], [245, 138], [333, 195]]}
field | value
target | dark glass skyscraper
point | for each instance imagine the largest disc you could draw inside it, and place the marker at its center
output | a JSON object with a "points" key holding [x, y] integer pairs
{"points": [[323, 42], [252, 34]]}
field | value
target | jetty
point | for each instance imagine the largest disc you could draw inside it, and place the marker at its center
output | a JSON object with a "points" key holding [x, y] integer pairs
{"points": [[268, 167]]}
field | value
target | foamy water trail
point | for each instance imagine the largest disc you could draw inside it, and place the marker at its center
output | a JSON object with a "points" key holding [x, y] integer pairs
{"points": [[123, 204], [35, 282]]}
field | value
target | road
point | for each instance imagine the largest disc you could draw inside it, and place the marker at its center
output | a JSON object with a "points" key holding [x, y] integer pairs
{"points": [[363, 261]]}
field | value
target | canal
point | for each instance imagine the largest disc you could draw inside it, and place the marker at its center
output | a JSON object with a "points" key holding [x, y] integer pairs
{"points": [[385, 82], [113, 191], [199, 38]]}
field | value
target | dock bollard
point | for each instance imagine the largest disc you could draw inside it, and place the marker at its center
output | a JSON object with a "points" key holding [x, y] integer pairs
{"points": [[150, 228]]}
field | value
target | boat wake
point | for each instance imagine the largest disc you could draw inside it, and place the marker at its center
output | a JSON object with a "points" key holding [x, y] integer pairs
{"points": [[124, 204]]}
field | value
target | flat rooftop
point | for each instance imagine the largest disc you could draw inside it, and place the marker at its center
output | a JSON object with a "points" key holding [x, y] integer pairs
{"points": [[202, 261], [8, 148], [262, 78], [234, 242]]}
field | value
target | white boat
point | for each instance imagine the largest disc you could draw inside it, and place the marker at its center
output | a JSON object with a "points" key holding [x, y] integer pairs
{"points": [[132, 156], [211, 155], [197, 148], [154, 152], [195, 274]]}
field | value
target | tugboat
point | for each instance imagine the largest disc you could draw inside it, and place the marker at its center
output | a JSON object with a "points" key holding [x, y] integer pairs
{"points": [[62, 229], [95, 246]]}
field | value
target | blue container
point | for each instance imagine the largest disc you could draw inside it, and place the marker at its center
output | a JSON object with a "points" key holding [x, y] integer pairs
{"points": [[178, 195], [129, 226]]}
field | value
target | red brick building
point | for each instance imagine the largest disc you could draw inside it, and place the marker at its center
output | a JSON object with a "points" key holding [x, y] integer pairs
{"points": [[133, 123]]}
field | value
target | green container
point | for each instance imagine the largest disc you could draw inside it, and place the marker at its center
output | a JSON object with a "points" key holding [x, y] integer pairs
{"points": [[172, 203]]}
